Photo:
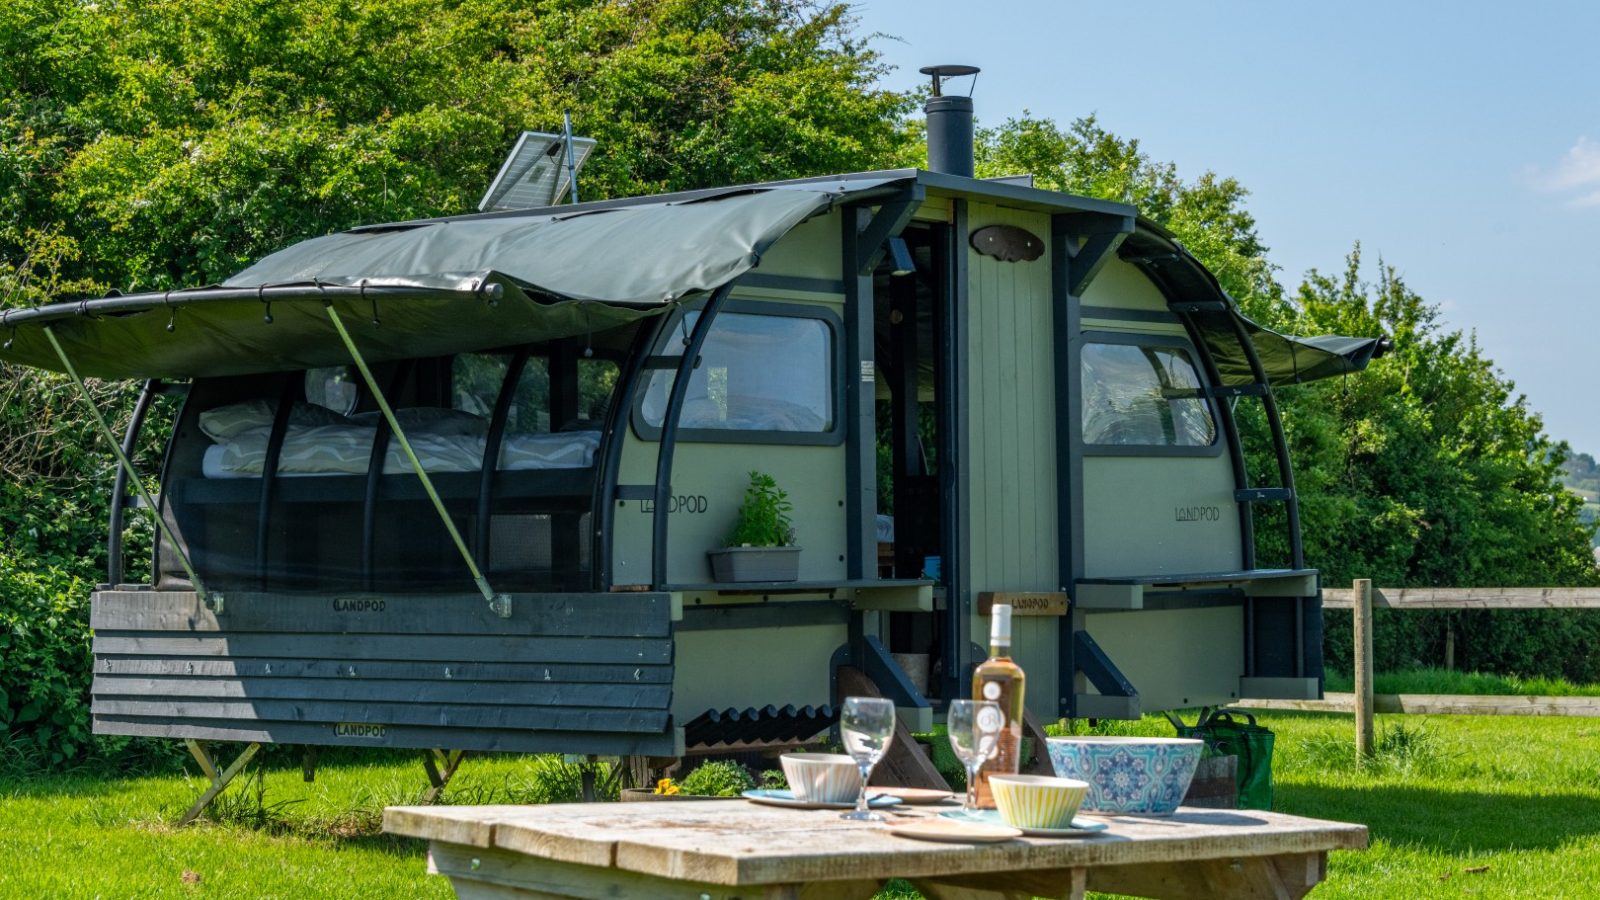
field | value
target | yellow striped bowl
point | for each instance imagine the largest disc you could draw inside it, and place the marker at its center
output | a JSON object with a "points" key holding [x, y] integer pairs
{"points": [[822, 777], [1037, 801]]}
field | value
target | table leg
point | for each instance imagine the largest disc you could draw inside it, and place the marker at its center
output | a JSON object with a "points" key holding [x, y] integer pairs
{"points": [[1286, 877], [1056, 884]]}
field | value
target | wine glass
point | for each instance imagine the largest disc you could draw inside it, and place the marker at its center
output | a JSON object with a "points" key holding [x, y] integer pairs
{"points": [[867, 726], [974, 727]]}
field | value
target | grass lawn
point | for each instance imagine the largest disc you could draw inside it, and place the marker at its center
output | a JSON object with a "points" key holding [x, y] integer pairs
{"points": [[1442, 681], [1458, 806]]}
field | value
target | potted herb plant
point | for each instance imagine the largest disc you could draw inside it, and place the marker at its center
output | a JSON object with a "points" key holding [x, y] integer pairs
{"points": [[761, 546]]}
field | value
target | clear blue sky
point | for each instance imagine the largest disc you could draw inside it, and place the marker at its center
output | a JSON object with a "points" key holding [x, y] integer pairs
{"points": [[1460, 142]]}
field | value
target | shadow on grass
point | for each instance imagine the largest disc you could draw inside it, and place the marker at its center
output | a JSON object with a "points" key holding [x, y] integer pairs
{"points": [[1449, 821]]}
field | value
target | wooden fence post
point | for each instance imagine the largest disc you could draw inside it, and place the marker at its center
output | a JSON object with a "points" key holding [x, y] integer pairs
{"points": [[1363, 667]]}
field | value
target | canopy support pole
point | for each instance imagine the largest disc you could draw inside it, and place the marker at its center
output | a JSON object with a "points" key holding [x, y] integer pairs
{"points": [[499, 603], [212, 601]]}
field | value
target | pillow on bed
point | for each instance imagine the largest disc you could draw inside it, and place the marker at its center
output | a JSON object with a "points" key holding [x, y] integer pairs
{"points": [[227, 422], [430, 420]]}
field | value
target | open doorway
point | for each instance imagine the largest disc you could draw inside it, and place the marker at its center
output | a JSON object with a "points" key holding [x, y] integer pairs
{"points": [[910, 289]]}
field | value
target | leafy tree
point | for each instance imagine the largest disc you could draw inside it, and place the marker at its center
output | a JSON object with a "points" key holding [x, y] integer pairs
{"points": [[1427, 469], [177, 146], [150, 144]]}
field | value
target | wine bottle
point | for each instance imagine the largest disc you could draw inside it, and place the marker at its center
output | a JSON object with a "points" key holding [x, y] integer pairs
{"points": [[1000, 680]]}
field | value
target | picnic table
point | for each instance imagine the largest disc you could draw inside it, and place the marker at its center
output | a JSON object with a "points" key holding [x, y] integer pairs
{"points": [[727, 849]]}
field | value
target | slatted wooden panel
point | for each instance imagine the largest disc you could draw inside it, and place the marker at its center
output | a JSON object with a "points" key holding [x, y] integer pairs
{"points": [[570, 673]]}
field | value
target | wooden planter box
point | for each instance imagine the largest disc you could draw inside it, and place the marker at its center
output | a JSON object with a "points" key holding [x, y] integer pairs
{"points": [[739, 564]]}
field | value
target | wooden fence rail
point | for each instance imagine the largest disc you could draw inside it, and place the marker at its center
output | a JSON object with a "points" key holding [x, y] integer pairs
{"points": [[1362, 598], [1468, 598]]}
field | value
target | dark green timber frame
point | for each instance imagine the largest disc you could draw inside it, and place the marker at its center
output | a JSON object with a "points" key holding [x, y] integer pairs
{"points": [[1080, 246], [955, 487]]}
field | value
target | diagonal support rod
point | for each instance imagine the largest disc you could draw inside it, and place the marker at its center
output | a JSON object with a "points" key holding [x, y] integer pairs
{"points": [[441, 766], [219, 781], [133, 474], [499, 603]]}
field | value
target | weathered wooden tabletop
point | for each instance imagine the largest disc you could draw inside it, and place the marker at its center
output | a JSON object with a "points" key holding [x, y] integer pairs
{"points": [[733, 848]]}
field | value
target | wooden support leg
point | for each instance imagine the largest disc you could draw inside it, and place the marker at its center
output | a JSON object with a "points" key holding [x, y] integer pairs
{"points": [[906, 764], [441, 766], [219, 780]]}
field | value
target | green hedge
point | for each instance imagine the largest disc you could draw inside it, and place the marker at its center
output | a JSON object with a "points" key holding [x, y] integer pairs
{"points": [[44, 641], [1546, 643]]}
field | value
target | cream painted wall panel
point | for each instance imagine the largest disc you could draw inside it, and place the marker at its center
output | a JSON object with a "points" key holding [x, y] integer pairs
{"points": [[811, 250], [1121, 285], [1175, 658], [752, 667], [1010, 448], [1148, 515]]}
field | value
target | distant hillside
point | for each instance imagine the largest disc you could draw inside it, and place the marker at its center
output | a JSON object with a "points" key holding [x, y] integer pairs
{"points": [[1582, 477]]}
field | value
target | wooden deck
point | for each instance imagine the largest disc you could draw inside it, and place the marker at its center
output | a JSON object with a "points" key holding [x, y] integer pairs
{"points": [[732, 848]]}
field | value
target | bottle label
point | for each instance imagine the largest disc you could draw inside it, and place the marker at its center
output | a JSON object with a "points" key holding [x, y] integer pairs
{"points": [[1000, 681]]}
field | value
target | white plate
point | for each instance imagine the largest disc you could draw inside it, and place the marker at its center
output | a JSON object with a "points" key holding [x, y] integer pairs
{"points": [[784, 797], [1080, 826]]}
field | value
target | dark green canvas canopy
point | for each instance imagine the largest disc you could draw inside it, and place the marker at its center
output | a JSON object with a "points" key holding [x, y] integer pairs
{"points": [[440, 286], [1191, 289], [432, 287]]}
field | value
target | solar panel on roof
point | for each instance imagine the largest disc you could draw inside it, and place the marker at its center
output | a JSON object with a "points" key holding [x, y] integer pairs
{"points": [[535, 174]]}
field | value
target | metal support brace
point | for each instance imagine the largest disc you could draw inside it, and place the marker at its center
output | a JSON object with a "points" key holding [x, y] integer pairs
{"points": [[212, 601], [499, 603], [219, 780], [890, 220], [441, 766], [1102, 234]]}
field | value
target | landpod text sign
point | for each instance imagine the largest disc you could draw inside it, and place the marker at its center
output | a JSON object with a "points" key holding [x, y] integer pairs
{"points": [[1024, 603]]}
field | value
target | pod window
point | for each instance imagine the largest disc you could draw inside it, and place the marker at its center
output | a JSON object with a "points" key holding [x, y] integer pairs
{"points": [[1144, 395], [770, 375]]}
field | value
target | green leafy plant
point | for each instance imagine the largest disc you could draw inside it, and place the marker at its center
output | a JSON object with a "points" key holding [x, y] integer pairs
{"points": [[720, 778], [764, 516]]}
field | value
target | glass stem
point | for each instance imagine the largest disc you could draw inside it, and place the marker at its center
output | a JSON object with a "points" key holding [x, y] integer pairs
{"points": [[861, 802], [972, 789]]}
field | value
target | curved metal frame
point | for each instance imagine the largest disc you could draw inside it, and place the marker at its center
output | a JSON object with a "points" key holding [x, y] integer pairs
{"points": [[667, 446], [491, 449], [374, 492], [1230, 429], [610, 453], [119, 486], [269, 473]]}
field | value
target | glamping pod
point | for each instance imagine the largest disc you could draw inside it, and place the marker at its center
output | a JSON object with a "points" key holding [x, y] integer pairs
{"points": [[452, 483]]}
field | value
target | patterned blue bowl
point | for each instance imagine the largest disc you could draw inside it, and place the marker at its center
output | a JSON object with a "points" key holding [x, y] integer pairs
{"points": [[1128, 775]]}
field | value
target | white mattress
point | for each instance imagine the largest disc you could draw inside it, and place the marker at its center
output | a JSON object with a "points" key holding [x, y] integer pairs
{"points": [[346, 450]]}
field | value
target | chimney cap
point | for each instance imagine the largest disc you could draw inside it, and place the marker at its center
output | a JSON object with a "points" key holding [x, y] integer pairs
{"points": [[940, 73]]}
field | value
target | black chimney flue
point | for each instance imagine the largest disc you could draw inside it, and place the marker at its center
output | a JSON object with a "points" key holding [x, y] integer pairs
{"points": [[949, 124]]}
